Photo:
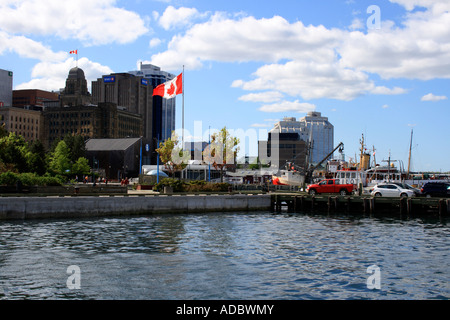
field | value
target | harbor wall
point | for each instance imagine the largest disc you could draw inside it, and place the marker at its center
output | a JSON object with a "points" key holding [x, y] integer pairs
{"points": [[24, 208]]}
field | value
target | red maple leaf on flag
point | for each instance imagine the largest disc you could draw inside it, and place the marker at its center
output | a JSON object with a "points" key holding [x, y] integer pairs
{"points": [[171, 90]]}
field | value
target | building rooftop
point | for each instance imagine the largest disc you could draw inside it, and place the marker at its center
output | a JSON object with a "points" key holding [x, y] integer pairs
{"points": [[110, 144]]}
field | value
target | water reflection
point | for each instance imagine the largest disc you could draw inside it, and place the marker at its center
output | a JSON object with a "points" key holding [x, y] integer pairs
{"points": [[225, 256]]}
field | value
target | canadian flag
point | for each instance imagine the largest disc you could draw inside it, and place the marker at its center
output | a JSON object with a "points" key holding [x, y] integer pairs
{"points": [[170, 88], [73, 52]]}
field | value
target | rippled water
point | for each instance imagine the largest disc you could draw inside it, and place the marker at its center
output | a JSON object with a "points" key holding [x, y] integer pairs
{"points": [[225, 256]]}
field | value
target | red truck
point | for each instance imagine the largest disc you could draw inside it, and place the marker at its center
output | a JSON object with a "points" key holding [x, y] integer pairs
{"points": [[330, 186]]}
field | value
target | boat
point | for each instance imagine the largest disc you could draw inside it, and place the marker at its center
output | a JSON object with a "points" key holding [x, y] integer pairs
{"points": [[288, 178]]}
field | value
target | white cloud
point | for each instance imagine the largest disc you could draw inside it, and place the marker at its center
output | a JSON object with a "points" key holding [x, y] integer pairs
{"points": [[247, 39], [260, 125], [28, 48], [288, 106], [388, 91], [155, 42], [92, 22], [356, 24], [432, 97], [269, 96], [175, 18], [51, 76]]}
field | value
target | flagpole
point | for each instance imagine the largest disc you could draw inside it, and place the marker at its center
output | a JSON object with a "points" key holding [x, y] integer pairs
{"points": [[182, 139], [77, 57]]}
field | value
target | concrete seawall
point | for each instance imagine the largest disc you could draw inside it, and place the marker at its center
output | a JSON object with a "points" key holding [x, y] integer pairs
{"points": [[24, 208]]}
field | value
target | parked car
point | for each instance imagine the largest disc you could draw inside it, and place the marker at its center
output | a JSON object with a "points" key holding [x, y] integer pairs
{"points": [[407, 186], [436, 189], [391, 190], [330, 186]]}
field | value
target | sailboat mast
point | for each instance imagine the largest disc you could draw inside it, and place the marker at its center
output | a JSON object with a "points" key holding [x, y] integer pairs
{"points": [[410, 147]]}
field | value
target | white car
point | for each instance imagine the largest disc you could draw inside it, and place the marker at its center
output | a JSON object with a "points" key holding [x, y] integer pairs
{"points": [[391, 190]]}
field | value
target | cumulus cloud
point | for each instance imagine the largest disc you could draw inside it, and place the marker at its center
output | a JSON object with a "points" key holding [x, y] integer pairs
{"points": [[175, 18], [28, 48], [312, 62], [432, 97], [92, 22], [269, 96], [51, 76], [288, 106]]}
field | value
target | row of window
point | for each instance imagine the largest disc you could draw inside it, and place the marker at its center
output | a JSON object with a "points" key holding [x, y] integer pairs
{"points": [[64, 131], [70, 123], [25, 120], [70, 115], [24, 127]]}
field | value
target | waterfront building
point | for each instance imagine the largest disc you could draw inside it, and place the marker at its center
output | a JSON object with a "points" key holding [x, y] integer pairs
{"points": [[163, 109], [114, 158], [306, 141], [287, 143], [6, 88], [76, 92], [104, 120], [27, 123], [33, 98], [322, 135], [129, 92]]}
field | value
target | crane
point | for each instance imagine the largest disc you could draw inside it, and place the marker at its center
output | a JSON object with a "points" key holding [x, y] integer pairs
{"points": [[311, 169]]}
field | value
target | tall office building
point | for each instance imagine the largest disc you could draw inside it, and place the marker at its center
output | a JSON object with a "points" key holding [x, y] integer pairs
{"points": [[128, 92], [76, 92], [322, 135], [163, 109], [289, 141], [6, 88]]}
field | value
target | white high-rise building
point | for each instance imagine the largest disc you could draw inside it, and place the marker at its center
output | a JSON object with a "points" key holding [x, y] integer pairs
{"points": [[322, 135]]}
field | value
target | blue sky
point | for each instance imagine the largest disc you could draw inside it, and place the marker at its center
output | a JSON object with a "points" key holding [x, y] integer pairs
{"points": [[248, 64]]}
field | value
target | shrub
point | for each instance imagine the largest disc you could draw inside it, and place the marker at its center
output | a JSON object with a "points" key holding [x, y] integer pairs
{"points": [[30, 179], [8, 178], [177, 185]]}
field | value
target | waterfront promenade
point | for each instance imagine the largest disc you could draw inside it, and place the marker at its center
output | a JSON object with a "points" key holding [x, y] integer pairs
{"points": [[135, 203], [88, 202]]}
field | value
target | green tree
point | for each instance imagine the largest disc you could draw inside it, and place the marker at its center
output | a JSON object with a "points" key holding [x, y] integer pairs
{"points": [[13, 152], [222, 151], [81, 166], [59, 161], [37, 158], [173, 157], [3, 131], [76, 145]]}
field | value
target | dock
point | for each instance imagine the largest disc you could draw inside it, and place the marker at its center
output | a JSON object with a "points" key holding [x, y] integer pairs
{"points": [[363, 204]]}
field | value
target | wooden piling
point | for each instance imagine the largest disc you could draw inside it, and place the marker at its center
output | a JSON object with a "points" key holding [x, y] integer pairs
{"points": [[409, 207], [442, 207], [372, 205]]}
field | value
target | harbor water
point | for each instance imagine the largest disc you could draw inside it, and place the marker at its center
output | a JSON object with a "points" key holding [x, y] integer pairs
{"points": [[237, 256]]}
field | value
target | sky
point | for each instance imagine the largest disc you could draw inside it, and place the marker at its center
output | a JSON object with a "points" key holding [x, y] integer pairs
{"points": [[376, 68]]}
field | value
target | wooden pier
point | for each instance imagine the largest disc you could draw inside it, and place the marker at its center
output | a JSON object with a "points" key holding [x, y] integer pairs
{"points": [[363, 204]]}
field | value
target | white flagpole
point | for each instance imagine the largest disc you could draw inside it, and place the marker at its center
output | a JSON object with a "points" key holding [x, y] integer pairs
{"points": [[182, 139]]}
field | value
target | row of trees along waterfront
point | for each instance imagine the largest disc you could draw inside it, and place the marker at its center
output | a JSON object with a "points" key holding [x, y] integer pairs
{"points": [[21, 160]]}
